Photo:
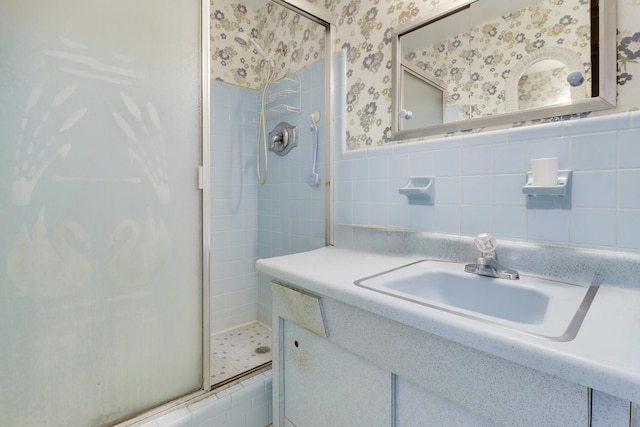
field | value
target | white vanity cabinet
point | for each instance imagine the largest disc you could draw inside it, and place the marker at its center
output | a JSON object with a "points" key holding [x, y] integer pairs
{"points": [[338, 365], [321, 384], [327, 386]]}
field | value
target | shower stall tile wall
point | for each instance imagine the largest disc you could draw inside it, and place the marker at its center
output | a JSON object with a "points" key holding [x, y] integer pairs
{"points": [[288, 218], [288, 213], [234, 210], [291, 213]]}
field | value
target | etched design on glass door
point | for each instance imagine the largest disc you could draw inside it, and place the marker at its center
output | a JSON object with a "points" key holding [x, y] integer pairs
{"points": [[146, 148], [141, 254], [142, 127], [43, 267], [109, 149], [89, 67], [34, 156]]}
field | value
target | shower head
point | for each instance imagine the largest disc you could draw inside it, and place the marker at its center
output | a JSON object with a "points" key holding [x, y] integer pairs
{"points": [[247, 41]]}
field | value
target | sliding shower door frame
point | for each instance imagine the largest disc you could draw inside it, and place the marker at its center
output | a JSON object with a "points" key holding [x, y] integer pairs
{"points": [[204, 182], [203, 179]]}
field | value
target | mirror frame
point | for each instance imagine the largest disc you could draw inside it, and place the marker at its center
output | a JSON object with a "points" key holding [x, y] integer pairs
{"points": [[605, 73]]}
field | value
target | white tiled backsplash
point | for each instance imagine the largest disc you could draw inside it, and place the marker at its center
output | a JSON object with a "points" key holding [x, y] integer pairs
{"points": [[479, 179]]}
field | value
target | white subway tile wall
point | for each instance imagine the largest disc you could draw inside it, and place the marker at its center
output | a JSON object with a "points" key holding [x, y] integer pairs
{"points": [[479, 179]]}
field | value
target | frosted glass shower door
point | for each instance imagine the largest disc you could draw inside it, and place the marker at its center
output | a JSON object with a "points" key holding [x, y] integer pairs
{"points": [[100, 217]]}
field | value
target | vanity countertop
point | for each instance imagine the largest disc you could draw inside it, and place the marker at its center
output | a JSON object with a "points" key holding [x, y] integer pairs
{"points": [[605, 354]]}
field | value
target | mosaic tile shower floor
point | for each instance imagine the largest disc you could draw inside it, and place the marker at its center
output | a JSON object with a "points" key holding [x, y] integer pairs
{"points": [[238, 350]]}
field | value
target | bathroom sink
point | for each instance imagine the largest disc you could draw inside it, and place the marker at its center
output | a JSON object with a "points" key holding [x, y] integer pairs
{"points": [[534, 306]]}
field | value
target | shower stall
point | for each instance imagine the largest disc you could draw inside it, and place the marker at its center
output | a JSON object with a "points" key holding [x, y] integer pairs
{"points": [[268, 71], [118, 270]]}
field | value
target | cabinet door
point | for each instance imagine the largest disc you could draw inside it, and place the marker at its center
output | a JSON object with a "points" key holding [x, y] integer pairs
{"points": [[418, 407], [611, 411], [324, 385]]}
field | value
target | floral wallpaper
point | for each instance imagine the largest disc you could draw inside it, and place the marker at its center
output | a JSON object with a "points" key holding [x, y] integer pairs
{"points": [[293, 41], [364, 30], [476, 65], [543, 88]]}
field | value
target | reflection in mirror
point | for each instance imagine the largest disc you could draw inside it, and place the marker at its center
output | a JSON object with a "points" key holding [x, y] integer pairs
{"points": [[501, 62], [422, 94], [549, 76], [543, 83]]}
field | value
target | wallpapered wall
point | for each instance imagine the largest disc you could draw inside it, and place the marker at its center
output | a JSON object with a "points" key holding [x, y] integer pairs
{"points": [[292, 40], [364, 29], [476, 63], [544, 88]]}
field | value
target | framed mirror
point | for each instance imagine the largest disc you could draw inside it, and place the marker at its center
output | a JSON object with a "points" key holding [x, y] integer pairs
{"points": [[490, 62]]}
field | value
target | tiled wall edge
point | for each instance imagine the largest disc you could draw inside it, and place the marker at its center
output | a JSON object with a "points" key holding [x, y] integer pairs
{"points": [[588, 125], [252, 396]]}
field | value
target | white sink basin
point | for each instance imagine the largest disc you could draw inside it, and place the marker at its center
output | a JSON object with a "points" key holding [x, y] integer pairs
{"points": [[531, 305]]}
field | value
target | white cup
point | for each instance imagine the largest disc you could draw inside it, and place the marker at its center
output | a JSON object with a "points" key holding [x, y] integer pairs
{"points": [[545, 172]]}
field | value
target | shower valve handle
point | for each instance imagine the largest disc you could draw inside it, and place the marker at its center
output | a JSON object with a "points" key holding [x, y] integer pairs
{"points": [[283, 138], [280, 139]]}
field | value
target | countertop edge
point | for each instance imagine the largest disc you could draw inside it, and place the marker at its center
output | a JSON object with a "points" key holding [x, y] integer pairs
{"points": [[582, 360]]}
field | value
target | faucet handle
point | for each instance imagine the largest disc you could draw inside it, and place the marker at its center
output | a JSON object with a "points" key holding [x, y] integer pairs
{"points": [[486, 243]]}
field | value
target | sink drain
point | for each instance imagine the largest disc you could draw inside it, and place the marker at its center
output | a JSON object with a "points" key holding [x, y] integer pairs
{"points": [[263, 350]]}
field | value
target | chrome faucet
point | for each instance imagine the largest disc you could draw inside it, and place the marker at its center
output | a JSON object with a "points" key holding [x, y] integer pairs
{"points": [[487, 264]]}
